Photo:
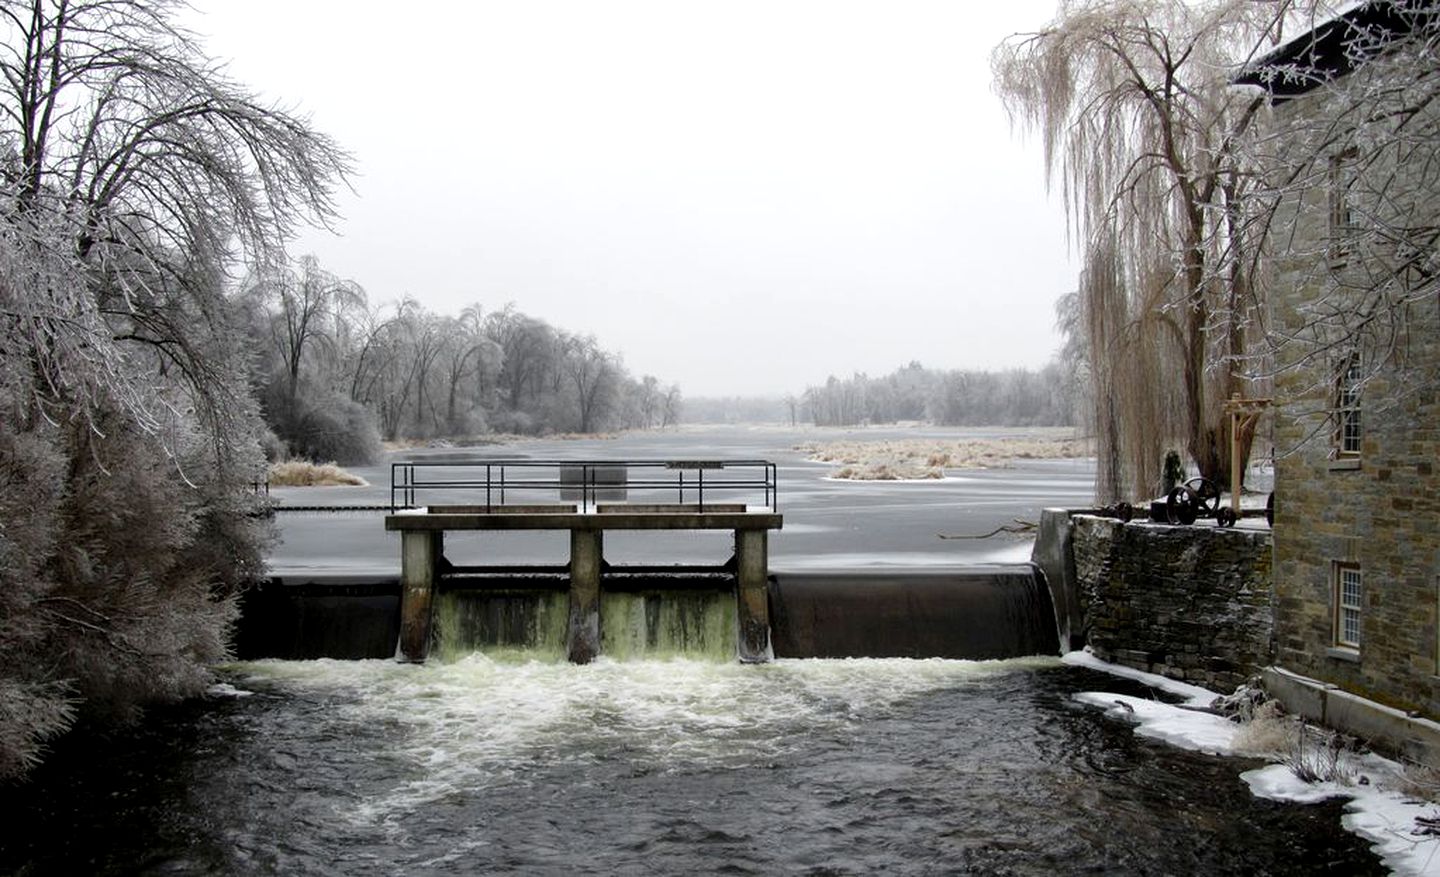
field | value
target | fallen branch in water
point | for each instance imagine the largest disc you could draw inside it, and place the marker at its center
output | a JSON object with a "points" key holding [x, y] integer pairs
{"points": [[1018, 527]]}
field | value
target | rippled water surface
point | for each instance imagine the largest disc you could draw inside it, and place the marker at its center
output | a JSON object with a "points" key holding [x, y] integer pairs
{"points": [[507, 766]]}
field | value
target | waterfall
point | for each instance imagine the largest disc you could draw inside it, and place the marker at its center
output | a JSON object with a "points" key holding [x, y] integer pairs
{"points": [[664, 624], [530, 624], [524, 623], [976, 613]]}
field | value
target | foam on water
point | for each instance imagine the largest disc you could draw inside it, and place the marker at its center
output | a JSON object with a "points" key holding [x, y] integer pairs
{"points": [[465, 726]]}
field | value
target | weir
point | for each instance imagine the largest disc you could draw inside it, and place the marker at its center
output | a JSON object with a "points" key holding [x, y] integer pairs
{"points": [[977, 613], [423, 527]]}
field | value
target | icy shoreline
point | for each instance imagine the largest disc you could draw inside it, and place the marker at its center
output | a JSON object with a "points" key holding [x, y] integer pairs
{"points": [[1375, 811]]}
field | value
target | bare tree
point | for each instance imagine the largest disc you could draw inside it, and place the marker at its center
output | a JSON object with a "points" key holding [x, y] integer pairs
{"points": [[672, 406], [592, 373], [525, 343], [158, 163], [469, 355], [1133, 104], [307, 300]]}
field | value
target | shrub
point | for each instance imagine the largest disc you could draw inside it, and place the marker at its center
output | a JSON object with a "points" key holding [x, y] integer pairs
{"points": [[323, 427], [122, 560]]}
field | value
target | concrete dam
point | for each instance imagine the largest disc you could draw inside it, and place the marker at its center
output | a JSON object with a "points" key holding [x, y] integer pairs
{"points": [[740, 608], [977, 614]]}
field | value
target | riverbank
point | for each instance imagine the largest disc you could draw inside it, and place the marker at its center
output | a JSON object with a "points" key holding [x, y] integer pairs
{"points": [[1384, 805]]}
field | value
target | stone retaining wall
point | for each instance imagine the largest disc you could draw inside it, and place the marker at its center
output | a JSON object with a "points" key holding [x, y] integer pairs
{"points": [[1190, 603]]}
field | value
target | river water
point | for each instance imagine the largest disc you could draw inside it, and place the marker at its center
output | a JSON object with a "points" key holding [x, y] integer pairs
{"points": [[515, 762], [484, 766], [828, 524]]}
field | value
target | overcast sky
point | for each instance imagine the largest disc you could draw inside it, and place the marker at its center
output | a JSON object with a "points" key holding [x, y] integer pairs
{"points": [[741, 197]]}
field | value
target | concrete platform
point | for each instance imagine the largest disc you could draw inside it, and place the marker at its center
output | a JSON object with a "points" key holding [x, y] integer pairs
{"points": [[609, 518]]}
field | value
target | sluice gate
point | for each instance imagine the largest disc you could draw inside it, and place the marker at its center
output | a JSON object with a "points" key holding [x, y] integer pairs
{"points": [[509, 489]]}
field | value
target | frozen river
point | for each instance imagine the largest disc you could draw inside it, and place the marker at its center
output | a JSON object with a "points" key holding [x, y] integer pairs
{"points": [[828, 523]]}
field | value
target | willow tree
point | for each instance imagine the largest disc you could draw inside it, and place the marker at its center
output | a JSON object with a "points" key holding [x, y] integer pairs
{"points": [[1138, 119]]}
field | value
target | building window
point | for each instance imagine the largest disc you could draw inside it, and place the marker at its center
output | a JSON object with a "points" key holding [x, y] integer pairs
{"points": [[1342, 206], [1347, 436], [1347, 605]]}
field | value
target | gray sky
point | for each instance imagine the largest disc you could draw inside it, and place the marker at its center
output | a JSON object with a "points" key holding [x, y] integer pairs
{"points": [[742, 197]]}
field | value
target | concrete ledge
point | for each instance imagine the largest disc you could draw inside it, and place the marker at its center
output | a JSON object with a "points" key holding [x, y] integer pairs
{"points": [[571, 521], [1302, 696], [1387, 728], [1342, 654], [670, 508], [558, 508]]}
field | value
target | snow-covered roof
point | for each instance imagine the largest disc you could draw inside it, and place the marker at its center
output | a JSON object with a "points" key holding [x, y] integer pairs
{"points": [[1336, 47]]}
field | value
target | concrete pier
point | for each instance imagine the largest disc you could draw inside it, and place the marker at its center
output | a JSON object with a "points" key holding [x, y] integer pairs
{"points": [[582, 636], [420, 553], [752, 595]]}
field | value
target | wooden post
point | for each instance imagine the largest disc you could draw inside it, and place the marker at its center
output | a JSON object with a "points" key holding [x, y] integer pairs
{"points": [[1244, 415], [582, 637], [420, 552], [752, 595], [1237, 466]]}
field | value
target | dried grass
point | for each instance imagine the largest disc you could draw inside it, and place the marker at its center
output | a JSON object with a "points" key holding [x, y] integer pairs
{"points": [[1314, 755], [1269, 733], [917, 459], [303, 473], [1419, 782]]}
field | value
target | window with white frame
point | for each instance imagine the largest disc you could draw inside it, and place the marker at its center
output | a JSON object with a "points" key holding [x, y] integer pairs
{"points": [[1347, 605], [1347, 435]]}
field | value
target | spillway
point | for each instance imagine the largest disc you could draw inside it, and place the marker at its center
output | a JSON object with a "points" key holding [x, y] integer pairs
{"points": [[983, 612]]}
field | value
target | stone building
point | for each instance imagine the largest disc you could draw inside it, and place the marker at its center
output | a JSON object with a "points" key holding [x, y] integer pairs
{"points": [[1357, 411]]}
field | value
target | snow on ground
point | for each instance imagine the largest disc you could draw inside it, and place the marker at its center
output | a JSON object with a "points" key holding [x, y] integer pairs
{"points": [[1378, 811]]}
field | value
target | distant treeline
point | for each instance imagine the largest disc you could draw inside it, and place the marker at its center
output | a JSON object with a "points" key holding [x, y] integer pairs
{"points": [[735, 409], [1016, 397], [339, 375]]}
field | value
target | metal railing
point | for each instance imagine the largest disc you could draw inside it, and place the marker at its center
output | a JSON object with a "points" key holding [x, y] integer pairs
{"points": [[585, 482]]}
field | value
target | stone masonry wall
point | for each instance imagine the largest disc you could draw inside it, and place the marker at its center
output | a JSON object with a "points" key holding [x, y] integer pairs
{"points": [[1190, 603], [1378, 510]]}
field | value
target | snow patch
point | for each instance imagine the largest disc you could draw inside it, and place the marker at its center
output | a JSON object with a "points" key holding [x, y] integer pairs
{"points": [[1376, 812], [1193, 694], [1182, 728]]}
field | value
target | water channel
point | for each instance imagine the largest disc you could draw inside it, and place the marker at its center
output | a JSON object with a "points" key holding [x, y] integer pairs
{"points": [[514, 762]]}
